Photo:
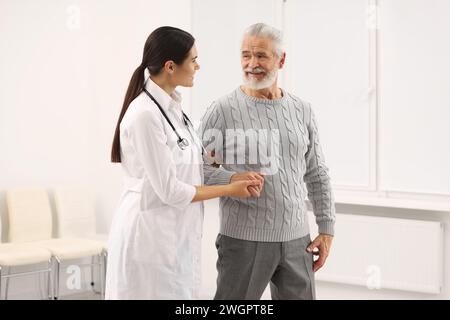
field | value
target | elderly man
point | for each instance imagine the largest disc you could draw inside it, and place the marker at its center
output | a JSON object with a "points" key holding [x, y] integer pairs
{"points": [[266, 240]]}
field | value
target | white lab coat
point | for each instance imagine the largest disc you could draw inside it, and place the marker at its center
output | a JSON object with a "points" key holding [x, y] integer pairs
{"points": [[155, 238]]}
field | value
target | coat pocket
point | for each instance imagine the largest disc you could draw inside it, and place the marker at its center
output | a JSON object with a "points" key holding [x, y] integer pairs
{"points": [[156, 237]]}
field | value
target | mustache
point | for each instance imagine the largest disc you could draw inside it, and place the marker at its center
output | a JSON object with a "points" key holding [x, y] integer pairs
{"points": [[255, 70]]}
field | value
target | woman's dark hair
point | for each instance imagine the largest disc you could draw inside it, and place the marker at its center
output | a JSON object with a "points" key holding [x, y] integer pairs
{"points": [[162, 45]]}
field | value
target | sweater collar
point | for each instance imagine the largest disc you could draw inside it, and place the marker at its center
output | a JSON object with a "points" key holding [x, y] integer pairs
{"points": [[262, 101]]}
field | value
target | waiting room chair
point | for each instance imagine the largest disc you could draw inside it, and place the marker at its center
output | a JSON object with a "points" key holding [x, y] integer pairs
{"points": [[14, 255], [30, 222], [76, 218]]}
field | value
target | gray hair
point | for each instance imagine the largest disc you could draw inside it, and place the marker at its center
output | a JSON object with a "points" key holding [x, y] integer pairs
{"points": [[262, 30]]}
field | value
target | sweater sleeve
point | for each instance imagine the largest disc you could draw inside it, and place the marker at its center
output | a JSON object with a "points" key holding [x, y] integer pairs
{"points": [[317, 179], [212, 133]]}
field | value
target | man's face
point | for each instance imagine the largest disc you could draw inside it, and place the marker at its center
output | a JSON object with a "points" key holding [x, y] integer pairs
{"points": [[259, 62]]}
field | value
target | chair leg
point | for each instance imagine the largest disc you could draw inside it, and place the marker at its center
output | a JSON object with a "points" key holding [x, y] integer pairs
{"points": [[102, 279], [105, 262], [56, 279], [92, 273], [49, 281], [0, 282], [93, 265], [8, 270]]}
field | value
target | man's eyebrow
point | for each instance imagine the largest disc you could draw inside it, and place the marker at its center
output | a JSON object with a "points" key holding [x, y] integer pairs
{"points": [[194, 57], [255, 52]]}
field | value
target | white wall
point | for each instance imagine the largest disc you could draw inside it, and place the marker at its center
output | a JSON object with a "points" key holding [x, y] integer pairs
{"points": [[339, 291]]}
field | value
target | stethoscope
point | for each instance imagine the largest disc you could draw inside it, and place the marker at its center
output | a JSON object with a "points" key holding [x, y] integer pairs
{"points": [[182, 143]]}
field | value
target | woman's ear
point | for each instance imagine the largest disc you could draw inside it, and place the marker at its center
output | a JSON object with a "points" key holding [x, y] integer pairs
{"points": [[169, 66]]}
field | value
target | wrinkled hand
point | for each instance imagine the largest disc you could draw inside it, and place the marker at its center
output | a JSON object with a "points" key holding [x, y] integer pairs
{"points": [[255, 190], [323, 244]]}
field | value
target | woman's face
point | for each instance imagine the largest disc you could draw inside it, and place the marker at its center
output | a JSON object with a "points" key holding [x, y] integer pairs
{"points": [[184, 73]]}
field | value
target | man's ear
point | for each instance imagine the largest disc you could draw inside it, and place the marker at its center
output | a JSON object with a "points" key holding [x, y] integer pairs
{"points": [[169, 66], [282, 60]]}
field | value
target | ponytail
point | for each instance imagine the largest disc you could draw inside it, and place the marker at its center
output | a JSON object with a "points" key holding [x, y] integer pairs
{"points": [[163, 44], [134, 89]]}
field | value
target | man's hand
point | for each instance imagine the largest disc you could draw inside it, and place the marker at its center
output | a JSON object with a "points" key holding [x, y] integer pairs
{"points": [[250, 175], [209, 158], [323, 243]]}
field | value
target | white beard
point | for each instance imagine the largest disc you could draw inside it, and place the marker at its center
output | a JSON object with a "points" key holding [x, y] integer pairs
{"points": [[266, 82]]}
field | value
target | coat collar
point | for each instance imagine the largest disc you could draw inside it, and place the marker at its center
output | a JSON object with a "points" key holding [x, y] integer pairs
{"points": [[164, 99]]}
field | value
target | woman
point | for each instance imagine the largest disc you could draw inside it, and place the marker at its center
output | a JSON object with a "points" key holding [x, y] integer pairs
{"points": [[155, 237]]}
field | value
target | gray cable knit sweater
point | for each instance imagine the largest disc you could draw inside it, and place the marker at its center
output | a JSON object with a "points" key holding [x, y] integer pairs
{"points": [[278, 137]]}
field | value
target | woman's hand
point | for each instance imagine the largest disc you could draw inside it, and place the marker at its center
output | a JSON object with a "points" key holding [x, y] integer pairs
{"points": [[250, 175], [241, 188]]}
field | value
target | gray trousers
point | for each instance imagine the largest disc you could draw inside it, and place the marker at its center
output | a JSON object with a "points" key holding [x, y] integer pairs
{"points": [[245, 268]]}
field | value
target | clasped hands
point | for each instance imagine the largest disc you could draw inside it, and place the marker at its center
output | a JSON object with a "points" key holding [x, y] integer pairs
{"points": [[255, 190]]}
